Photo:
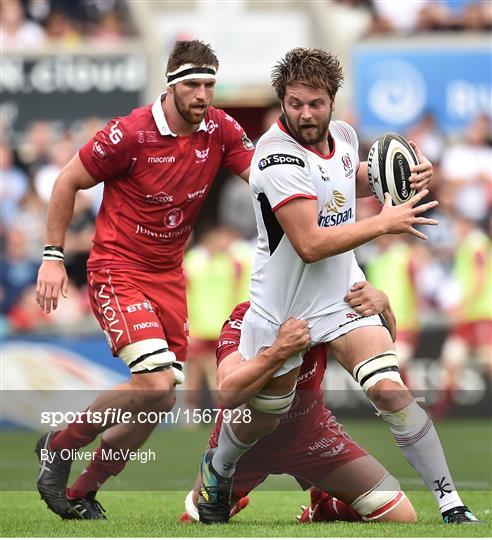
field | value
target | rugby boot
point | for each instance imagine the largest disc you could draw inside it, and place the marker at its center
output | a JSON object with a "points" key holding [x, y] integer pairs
{"points": [[214, 503], [53, 475], [459, 515], [85, 508]]}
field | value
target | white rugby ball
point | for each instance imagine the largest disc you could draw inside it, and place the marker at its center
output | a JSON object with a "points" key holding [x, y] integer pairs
{"points": [[388, 163]]}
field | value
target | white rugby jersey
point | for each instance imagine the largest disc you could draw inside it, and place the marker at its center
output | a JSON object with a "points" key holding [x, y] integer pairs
{"points": [[282, 285]]}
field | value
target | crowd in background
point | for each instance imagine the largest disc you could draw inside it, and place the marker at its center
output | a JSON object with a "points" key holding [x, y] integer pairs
{"points": [[66, 23], [438, 282], [34, 23]]}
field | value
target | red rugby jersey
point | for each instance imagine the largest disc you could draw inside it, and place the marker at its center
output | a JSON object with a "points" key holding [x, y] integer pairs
{"points": [[308, 409], [155, 183]]}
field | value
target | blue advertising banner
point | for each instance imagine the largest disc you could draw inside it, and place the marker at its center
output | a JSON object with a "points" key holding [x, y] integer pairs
{"points": [[394, 87]]}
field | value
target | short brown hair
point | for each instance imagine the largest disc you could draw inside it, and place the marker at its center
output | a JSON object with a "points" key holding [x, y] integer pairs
{"points": [[312, 67], [192, 52]]}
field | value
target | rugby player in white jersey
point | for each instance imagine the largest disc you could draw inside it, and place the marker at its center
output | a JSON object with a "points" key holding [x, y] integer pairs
{"points": [[305, 177]]}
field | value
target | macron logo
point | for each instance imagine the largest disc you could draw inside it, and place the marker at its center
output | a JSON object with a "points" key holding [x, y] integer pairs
{"points": [[161, 159]]}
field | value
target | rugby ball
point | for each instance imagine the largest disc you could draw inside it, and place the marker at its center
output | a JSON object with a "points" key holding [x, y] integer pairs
{"points": [[388, 165]]}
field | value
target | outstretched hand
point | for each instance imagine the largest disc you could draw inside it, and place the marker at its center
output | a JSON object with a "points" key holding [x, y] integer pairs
{"points": [[403, 217]]}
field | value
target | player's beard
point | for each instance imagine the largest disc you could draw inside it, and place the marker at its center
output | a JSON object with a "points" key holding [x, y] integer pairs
{"points": [[317, 132], [187, 112]]}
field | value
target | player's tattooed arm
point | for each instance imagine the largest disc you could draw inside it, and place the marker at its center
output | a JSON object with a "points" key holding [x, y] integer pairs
{"points": [[366, 300], [238, 381]]}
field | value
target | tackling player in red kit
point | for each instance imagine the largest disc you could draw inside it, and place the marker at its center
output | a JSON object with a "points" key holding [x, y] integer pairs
{"points": [[158, 165], [309, 443]]}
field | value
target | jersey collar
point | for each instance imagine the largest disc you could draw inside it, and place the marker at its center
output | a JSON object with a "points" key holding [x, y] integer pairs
{"points": [[160, 118]]}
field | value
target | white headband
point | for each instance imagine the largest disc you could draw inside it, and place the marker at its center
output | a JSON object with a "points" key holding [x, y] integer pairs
{"points": [[189, 71]]}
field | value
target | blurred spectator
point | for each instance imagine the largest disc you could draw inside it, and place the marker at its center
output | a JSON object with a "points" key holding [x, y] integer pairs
{"points": [[471, 316], [79, 240], [60, 155], [31, 216], [25, 315], [341, 24], [38, 10], [61, 29], [16, 270], [428, 137], [35, 147], [13, 186], [467, 166], [16, 32], [95, 9], [394, 270], [109, 30], [443, 240], [407, 16], [235, 206], [398, 17], [213, 282], [71, 311], [89, 128]]}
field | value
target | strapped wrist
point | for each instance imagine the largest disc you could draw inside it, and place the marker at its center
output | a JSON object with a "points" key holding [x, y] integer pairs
{"points": [[53, 253]]}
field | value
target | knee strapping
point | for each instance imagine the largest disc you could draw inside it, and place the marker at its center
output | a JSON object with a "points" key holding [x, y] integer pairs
{"points": [[407, 424], [151, 355], [273, 404], [379, 500], [377, 368]]}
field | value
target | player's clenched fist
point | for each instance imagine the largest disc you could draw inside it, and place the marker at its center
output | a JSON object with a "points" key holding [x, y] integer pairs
{"points": [[52, 280], [293, 337]]}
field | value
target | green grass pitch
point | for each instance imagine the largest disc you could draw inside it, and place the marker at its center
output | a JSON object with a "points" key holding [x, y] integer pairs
{"points": [[146, 500]]}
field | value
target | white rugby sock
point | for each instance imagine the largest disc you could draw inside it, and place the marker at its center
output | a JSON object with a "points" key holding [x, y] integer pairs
{"points": [[229, 450], [423, 450]]}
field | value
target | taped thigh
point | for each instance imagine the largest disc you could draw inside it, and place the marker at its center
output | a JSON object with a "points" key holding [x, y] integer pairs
{"points": [[149, 356], [377, 368]]}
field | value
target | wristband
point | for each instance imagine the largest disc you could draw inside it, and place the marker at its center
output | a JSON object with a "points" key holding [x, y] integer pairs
{"points": [[53, 253]]}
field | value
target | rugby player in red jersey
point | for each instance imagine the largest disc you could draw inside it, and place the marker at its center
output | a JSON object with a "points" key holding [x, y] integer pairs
{"points": [[158, 165], [309, 444]]}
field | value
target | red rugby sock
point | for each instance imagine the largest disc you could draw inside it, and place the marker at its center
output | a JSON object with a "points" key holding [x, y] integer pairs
{"points": [[102, 466], [76, 435]]}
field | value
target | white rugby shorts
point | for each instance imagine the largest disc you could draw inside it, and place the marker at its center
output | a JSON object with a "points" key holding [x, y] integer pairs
{"points": [[259, 333]]}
